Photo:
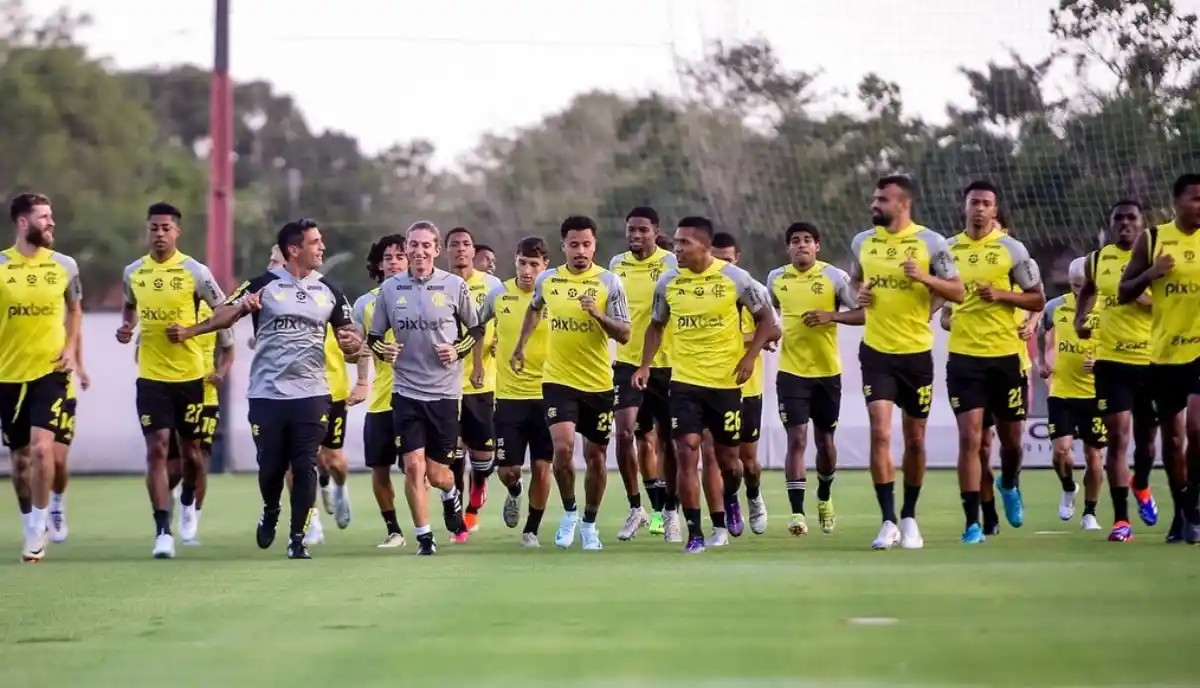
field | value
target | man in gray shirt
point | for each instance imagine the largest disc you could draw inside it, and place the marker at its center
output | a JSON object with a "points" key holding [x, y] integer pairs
{"points": [[289, 392], [434, 321]]}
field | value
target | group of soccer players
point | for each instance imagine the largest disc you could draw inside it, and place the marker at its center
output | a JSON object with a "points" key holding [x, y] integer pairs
{"points": [[462, 370]]}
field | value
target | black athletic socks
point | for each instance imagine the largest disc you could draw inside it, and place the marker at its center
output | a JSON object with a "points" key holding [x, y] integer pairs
{"points": [[1066, 476], [753, 486], [589, 514], [389, 520], [656, 490], [824, 486], [718, 519], [1120, 500], [322, 479], [162, 522], [970, 506], [692, 517], [1008, 477], [670, 500], [991, 517], [635, 500], [1089, 508], [795, 491], [533, 521], [569, 504], [187, 494], [25, 504], [911, 494], [885, 494], [733, 484]]}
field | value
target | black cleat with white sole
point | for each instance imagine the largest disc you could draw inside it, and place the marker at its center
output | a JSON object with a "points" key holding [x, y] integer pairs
{"points": [[265, 534], [426, 547], [297, 550], [452, 514]]}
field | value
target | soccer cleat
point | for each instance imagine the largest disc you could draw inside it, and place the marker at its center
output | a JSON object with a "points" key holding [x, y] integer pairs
{"points": [[1089, 522], [189, 524], [35, 544], [590, 535], [1066, 504], [471, 521], [758, 515], [328, 502], [265, 533], [719, 538], [58, 524], [512, 510], [1121, 532], [635, 520], [392, 541], [910, 534], [1147, 508], [452, 514], [1014, 507], [671, 531], [530, 541], [426, 547], [888, 536], [315, 534], [564, 537], [656, 523], [695, 545], [1175, 534], [297, 550], [826, 516], [341, 505], [460, 537], [973, 535], [478, 498], [1191, 533], [798, 525], [164, 546], [733, 517], [991, 529]]}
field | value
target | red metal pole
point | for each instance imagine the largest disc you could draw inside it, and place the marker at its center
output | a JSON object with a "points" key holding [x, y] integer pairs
{"points": [[220, 175]]}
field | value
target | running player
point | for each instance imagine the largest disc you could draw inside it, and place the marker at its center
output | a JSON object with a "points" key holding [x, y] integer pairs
{"points": [[655, 442], [485, 259], [586, 307], [1072, 403], [901, 267], [163, 288], [435, 324], [479, 386], [639, 269], [1172, 276], [1123, 387], [64, 433], [983, 370], [331, 455], [700, 300], [520, 413], [813, 298], [385, 259]]}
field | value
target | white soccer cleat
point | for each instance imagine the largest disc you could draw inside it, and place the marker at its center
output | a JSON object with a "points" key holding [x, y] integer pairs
{"points": [[164, 546], [36, 540], [189, 524], [327, 499], [392, 541], [58, 523], [530, 541], [758, 515], [671, 530], [1089, 522], [910, 534], [590, 535], [636, 520], [719, 538], [1066, 504], [888, 537], [512, 510], [341, 505], [315, 534], [564, 537]]}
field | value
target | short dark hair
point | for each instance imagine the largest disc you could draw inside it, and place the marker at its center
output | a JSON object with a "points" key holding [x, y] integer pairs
{"points": [[1127, 202], [698, 222], [162, 208], [480, 248], [24, 204], [645, 212], [902, 181], [724, 240], [533, 247], [1183, 183], [375, 254], [981, 185], [664, 242], [798, 227], [292, 234], [460, 230], [577, 223]]}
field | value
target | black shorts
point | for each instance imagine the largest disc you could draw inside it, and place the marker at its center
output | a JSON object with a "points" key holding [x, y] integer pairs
{"points": [[1172, 384], [994, 384], [652, 405], [905, 379], [752, 409], [210, 418], [591, 412], [989, 421], [521, 426], [809, 398], [335, 426], [288, 432], [695, 409], [64, 425], [1078, 418], [171, 406], [379, 439], [428, 426], [1124, 387], [477, 421], [27, 405]]}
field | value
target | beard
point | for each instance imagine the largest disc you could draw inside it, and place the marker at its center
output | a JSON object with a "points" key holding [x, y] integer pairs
{"points": [[39, 237], [881, 219]]}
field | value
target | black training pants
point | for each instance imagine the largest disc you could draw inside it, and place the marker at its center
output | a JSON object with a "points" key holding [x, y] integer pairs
{"points": [[287, 433]]}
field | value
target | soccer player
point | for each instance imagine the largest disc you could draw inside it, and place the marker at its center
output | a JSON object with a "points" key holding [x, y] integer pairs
{"points": [[639, 269], [1166, 264], [520, 412], [162, 289], [700, 300], [656, 451], [898, 268], [331, 455], [1124, 391], [435, 324], [291, 308], [983, 370], [479, 386], [485, 259], [813, 298], [586, 306], [1072, 402], [40, 309], [385, 259], [64, 433]]}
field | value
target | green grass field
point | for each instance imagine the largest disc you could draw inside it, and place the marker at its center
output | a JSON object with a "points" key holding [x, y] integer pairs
{"points": [[1028, 608]]}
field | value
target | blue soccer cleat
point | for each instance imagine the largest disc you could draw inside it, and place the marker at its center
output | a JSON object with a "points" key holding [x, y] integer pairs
{"points": [[973, 535], [1014, 507]]}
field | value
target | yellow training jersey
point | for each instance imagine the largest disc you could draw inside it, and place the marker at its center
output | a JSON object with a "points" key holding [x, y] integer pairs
{"points": [[33, 297], [577, 347], [336, 372], [1124, 328], [1019, 317], [380, 398], [480, 284], [639, 277], [753, 386], [701, 310], [507, 305], [1069, 379], [1176, 316], [163, 294], [983, 328], [809, 351], [208, 350], [897, 321]]}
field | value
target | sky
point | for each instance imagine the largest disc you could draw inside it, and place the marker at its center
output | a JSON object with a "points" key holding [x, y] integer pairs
{"points": [[452, 70]]}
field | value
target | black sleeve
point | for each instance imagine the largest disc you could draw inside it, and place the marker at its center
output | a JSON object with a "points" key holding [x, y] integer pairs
{"points": [[251, 286], [342, 313]]}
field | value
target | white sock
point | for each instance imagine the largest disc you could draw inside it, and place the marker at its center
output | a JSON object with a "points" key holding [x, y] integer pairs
{"points": [[25, 520], [38, 518], [422, 530], [57, 500]]}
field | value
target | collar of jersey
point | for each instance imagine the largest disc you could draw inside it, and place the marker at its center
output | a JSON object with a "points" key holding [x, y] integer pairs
{"points": [[796, 271], [989, 237], [586, 273], [174, 259], [714, 266], [658, 252], [38, 256], [422, 280], [512, 286], [911, 229]]}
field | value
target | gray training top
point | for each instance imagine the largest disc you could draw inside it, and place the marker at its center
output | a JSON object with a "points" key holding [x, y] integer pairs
{"points": [[290, 328], [423, 312]]}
